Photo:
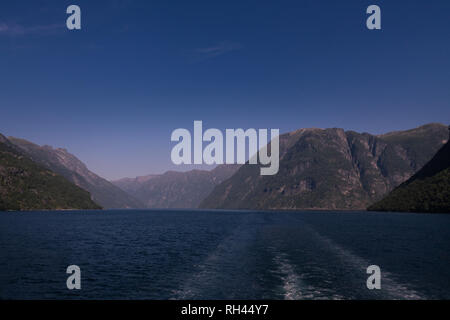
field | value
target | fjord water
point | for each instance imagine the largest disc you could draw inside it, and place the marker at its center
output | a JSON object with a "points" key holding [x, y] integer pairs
{"points": [[163, 254]]}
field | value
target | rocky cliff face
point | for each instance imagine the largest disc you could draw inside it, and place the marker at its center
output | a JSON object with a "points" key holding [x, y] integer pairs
{"points": [[426, 191], [62, 162], [176, 189], [25, 185], [331, 169]]}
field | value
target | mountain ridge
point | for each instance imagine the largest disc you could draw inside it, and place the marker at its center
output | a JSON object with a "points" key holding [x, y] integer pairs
{"points": [[26, 185], [324, 169], [66, 164], [176, 189], [330, 169]]}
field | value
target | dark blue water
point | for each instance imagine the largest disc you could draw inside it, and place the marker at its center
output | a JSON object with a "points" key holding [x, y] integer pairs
{"points": [[224, 255]]}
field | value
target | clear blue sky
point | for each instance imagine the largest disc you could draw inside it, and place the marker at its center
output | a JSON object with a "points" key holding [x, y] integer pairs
{"points": [[113, 92]]}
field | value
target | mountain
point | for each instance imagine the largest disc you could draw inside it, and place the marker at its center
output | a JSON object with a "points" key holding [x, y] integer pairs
{"points": [[62, 162], [426, 191], [176, 189], [132, 185], [331, 169], [25, 185]]}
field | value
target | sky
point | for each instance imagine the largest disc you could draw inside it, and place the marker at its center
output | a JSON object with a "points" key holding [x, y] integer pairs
{"points": [[113, 92]]}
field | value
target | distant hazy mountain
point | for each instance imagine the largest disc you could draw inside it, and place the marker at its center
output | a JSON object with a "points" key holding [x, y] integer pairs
{"points": [[62, 162], [426, 191], [331, 169], [176, 189], [25, 185], [132, 185]]}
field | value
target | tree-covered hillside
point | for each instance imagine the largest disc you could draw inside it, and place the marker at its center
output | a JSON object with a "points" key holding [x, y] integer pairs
{"points": [[25, 185]]}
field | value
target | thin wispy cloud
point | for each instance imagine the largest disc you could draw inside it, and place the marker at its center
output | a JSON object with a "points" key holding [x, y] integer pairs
{"points": [[13, 29], [217, 50]]}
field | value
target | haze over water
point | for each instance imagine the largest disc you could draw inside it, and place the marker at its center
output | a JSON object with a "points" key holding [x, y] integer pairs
{"points": [[164, 254]]}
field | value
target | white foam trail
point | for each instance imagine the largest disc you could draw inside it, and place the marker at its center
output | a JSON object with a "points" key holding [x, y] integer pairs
{"points": [[191, 289], [294, 285], [292, 282], [391, 287], [209, 270]]}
